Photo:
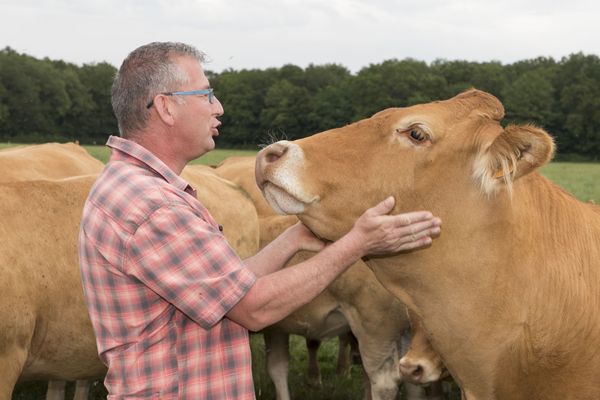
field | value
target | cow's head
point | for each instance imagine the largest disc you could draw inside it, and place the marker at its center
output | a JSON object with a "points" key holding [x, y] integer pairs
{"points": [[421, 364], [419, 154]]}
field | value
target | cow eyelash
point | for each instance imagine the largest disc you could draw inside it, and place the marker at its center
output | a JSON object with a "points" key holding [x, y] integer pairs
{"points": [[415, 133]]}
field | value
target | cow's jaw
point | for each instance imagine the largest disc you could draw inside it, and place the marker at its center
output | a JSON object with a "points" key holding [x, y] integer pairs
{"points": [[278, 176], [281, 200]]}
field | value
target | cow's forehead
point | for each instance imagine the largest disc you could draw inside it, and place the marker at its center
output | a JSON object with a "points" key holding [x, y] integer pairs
{"points": [[439, 115]]}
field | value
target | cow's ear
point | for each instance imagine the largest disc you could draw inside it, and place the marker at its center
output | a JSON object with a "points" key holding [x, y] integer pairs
{"points": [[516, 151]]}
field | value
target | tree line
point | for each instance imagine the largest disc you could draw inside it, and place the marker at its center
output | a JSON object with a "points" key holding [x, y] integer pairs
{"points": [[49, 100]]}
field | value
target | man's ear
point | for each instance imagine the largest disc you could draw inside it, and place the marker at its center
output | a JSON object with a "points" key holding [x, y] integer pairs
{"points": [[164, 109], [515, 152]]}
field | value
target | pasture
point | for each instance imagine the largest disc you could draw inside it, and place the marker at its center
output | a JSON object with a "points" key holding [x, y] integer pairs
{"points": [[581, 179]]}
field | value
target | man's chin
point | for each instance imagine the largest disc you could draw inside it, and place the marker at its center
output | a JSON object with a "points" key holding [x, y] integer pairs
{"points": [[211, 145]]}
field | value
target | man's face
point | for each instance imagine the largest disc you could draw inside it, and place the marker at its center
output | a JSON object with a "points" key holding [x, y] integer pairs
{"points": [[196, 121]]}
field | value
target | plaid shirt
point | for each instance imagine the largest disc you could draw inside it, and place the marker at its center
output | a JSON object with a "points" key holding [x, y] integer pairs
{"points": [[158, 278]]}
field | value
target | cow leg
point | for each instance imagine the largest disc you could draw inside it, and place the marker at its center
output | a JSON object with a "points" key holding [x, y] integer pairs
{"points": [[314, 371], [415, 392], [347, 343], [82, 390], [382, 375], [278, 360], [368, 394], [56, 390], [11, 366], [435, 391]]}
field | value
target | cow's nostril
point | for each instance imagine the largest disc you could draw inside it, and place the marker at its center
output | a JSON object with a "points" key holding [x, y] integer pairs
{"points": [[418, 371], [269, 157], [272, 157], [274, 152]]}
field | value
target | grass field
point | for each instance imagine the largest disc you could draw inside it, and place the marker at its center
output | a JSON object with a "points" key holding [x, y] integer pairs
{"points": [[213, 158], [581, 179]]}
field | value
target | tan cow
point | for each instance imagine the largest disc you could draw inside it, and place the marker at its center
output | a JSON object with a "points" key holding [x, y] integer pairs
{"points": [[355, 301], [49, 161], [46, 161], [45, 333], [421, 364], [510, 292]]}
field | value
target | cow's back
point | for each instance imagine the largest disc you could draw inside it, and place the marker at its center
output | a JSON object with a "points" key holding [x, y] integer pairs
{"points": [[46, 161]]}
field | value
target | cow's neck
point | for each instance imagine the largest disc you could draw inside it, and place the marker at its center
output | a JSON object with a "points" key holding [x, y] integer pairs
{"points": [[487, 279]]}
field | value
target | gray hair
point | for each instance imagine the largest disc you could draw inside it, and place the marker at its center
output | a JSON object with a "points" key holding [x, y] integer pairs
{"points": [[147, 71]]}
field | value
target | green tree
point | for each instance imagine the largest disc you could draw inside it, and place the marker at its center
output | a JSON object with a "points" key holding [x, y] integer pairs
{"points": [[330, 101], [394, 83], [4, 114], [75, 123], [37, 98], [286, 110], [578, 85], [243, 97], [531, 98], [98, 79]]}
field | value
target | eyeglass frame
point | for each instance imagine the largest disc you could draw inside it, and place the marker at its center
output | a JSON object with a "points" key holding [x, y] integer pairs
{"points": [[210, 92]]}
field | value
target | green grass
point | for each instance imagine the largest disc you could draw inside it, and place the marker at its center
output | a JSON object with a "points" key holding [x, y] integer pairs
{"points": [[214, 157], [348, 387], [581, 179]]}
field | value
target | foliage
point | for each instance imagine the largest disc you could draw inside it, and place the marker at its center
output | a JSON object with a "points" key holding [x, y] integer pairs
{"points": [[44, 100]]}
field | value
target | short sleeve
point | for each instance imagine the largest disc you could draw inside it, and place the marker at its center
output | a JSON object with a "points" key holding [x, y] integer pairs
{"points": [[188, 262]]}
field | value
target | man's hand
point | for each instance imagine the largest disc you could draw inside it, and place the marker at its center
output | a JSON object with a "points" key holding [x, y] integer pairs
{"points": [[304, 237], [382, 233]]}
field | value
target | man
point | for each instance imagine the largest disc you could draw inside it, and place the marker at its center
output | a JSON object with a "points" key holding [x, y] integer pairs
{"points": [[169, 300]]}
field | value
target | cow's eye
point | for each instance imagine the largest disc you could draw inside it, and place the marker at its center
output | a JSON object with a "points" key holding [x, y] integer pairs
{"points": [[417, 135]]}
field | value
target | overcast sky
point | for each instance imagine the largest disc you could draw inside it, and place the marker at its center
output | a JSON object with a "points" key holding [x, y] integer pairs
{"points": [[270, 33]]}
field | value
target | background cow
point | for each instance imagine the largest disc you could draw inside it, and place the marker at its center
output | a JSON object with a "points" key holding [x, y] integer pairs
{"points": [[50, 161], [46, 161], [510, 292]]}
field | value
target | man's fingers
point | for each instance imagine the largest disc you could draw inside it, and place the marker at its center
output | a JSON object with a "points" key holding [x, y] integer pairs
{"points": [[419, 229], [424, 241], [384, 207], [414, 236], [424, 230], [392, 233], [412, 217]]}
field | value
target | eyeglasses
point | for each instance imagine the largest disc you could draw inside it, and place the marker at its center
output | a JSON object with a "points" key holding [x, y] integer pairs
{"points": [[209, 92]]}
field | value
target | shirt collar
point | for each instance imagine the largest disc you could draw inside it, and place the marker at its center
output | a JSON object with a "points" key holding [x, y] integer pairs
{"points": [[129, 151]]}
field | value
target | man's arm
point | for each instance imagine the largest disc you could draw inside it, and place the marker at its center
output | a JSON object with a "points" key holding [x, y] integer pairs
{"points": [[278, 292]]}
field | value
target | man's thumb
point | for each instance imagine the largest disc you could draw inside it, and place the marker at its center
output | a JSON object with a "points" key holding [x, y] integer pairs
{"points": [[385, 206]]}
